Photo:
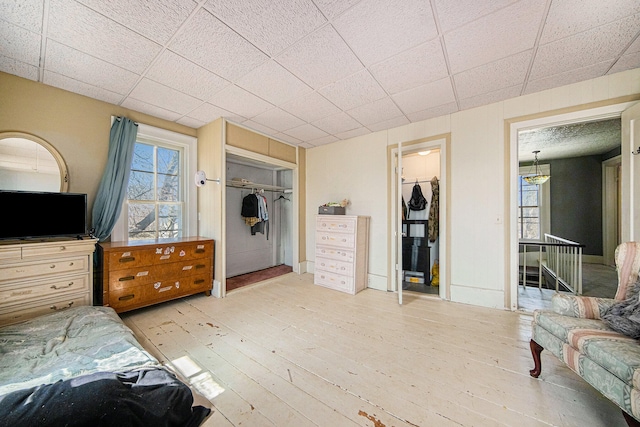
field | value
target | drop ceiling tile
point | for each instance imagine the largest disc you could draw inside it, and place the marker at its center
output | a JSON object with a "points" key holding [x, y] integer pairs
{"points": [[569, 17], [157, 20], [77, 26], [337, 123], [278, 119], [353, 133], [635, 47], [207, 113], [20, 44], [152, 110], [353, 91], [18, 68], [320, 141], [388, 124], [239, 101], [190, 122], [379, 29], [270, 25], [375, 112], [273, 83], [414, 67], [75, 86], [24, 13], [306, 132], [567, 77], [179, 73], [455, 13], [165, 97], [310, 107], [320, 58], [230, 56], [488, 98], [626, 62], [305, 145], [333, 8], [589, 47], [482, 79], [430, 113], [426, 96], [498, 35], [82, 67]]}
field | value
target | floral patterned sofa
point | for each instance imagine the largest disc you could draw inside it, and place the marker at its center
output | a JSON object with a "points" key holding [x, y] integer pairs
{"points": [[575, 333]]}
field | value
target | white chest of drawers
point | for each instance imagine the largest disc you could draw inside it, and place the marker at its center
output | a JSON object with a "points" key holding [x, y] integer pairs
{"points": [[44, 276], [342, 244]]}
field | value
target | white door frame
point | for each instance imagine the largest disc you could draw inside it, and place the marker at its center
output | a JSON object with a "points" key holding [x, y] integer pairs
{"points": [[440, 143], [610, 209], [595, 113]]}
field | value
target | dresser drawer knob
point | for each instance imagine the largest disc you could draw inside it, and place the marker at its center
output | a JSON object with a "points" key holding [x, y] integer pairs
{"points": [[127, 259], [52, 266], [125, 278], [62, 287], [56, 308], [126, 297]]}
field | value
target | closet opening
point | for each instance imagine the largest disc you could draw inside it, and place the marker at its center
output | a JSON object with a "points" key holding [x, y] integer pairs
{"points": [[259, 221], [420, 221]]}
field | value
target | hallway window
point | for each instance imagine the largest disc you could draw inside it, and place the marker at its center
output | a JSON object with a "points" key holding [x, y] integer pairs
{"points": [[528, 210]]}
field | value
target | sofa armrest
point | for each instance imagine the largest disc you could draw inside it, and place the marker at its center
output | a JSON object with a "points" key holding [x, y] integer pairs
{"points": [[580, 306]]}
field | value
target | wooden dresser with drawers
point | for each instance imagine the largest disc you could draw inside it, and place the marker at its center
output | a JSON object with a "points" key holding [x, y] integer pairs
{"points": [[43, 276], [141, 273], [342, 243]]}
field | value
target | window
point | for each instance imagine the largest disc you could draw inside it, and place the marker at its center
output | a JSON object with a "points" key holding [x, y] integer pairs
{"points": [[159, 202], [533, 206], [155, 195]]}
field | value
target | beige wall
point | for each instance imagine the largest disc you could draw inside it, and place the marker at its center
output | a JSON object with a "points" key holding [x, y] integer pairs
{"points": [[478, 184], [77, 126]]}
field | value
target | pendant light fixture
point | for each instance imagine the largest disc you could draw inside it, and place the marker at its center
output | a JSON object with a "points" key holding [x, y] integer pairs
{"points": [[538, 178]]}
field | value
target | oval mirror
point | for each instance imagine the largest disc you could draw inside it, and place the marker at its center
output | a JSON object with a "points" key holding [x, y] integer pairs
{"points": [[29, 163]]}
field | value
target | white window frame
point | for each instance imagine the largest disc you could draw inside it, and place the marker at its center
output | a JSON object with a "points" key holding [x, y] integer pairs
{"points": [[544, 198], [189, 147]]}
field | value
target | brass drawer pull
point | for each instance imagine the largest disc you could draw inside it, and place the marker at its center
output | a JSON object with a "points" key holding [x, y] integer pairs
{"points": [[197, 282], [199, 251], [127, 259], [125, 278], [200, 266], [53, 307], [62, 287], [126, 297]]}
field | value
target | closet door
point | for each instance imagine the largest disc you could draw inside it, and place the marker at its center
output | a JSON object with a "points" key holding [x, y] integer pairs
{"points": [[398, 216]]}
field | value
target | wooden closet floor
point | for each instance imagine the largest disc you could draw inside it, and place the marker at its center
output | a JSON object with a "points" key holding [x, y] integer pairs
{"points": [[257, 276], [289, 353]]}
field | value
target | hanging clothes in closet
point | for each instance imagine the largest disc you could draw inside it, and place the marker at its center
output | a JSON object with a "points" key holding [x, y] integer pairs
{"points": [[255, 214]]}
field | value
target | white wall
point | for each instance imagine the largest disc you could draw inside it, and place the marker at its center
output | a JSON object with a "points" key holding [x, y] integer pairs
{"points": [[479, 163]]}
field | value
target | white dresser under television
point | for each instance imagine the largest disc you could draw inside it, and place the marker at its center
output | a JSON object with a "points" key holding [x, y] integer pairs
{"points": [[43, 276], [342, 244]]}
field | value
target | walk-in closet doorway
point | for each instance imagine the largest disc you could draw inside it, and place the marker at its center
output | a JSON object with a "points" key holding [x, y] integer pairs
{"points": [[419, 236], [260, 247]]}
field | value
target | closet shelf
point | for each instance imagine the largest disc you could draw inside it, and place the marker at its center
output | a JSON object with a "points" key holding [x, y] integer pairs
{"points": [[249, 184]]}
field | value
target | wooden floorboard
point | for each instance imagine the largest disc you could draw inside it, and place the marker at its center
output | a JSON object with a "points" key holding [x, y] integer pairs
{"points": [[289, 353]]}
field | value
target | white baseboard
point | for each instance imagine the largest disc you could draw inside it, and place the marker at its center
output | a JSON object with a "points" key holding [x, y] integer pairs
{"points": [[375, 281]]}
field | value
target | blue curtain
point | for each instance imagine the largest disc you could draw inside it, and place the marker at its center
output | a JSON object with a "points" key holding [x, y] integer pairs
{"points": [[113, 187]]}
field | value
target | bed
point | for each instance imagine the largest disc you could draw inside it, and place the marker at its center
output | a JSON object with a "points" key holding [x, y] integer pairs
{"points": [[83, 366]]}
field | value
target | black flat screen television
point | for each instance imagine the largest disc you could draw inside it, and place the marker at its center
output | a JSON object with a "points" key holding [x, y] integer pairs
{"points": [[28, 215]]}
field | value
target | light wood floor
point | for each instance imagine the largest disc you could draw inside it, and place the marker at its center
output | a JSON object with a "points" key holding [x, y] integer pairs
{"points": [[289, 353]]}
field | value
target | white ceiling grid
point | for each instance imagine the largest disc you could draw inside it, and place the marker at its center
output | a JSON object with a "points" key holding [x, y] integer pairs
{"points": [[312, 72]]}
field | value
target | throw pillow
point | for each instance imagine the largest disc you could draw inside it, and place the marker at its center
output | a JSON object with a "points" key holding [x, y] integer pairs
{"points": [[624, 316]]}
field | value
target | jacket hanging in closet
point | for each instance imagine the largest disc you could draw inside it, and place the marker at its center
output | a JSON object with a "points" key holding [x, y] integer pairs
{"points": [[255, 214]]}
